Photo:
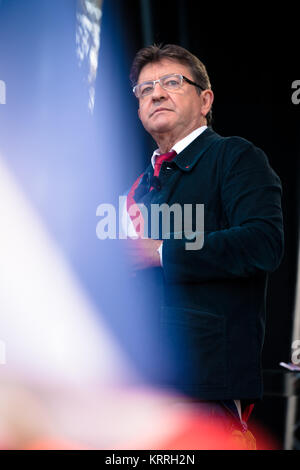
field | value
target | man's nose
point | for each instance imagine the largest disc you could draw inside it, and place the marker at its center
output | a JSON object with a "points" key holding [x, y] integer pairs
{"points": [[158, 91]]}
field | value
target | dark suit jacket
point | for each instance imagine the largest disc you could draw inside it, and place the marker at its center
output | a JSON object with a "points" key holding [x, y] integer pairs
{"points": [[213, 311]]}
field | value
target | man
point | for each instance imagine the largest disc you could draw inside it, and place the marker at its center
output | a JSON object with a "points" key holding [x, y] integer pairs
{"points": [[213, 307]]}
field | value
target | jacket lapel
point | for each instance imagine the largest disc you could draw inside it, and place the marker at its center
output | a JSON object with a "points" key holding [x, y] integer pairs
{"points": [[184, 162]]}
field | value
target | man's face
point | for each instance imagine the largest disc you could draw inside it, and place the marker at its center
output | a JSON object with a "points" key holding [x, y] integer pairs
{"points": [[177, 112]]}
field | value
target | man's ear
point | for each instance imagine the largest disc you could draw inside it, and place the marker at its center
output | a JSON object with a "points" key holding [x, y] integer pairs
{"points": [[139, 113], [208, 98]]}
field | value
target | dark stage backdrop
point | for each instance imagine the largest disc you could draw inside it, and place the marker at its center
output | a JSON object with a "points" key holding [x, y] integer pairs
{"points": [[252, 65]]}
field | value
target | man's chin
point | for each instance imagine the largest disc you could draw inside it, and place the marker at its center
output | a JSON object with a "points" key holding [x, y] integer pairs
{"points": [[161, 128]]}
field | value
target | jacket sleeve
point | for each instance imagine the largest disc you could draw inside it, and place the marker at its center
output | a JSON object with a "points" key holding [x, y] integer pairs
{"points": [[252, 241]]}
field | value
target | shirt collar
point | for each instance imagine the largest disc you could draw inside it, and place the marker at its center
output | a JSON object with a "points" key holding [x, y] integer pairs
{"points": [[182, 144]]}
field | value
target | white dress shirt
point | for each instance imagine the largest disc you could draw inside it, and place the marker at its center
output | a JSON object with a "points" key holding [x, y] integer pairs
{"points": [[181, 144]]}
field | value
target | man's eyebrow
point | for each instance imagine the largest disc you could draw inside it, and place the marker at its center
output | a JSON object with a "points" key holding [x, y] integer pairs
{"points": [[147, 80], [164, 75]]}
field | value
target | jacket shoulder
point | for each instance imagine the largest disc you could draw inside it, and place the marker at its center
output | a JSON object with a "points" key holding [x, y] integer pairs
{"points": [[236, 150], [232, 142]]}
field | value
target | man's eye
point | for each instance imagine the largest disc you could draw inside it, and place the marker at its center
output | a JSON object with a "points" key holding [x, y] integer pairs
{"points": [[146, 89], [171, 83]]}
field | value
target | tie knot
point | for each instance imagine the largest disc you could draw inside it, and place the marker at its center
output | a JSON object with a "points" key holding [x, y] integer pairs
{"points": [[165, 157], [162, 158]]}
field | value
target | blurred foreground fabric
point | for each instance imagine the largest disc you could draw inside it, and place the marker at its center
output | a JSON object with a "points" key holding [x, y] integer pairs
{"points": [[36, 416]]}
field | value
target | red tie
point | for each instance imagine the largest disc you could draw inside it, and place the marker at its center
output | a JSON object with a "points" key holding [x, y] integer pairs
{"points": [[132, 208], [160, 159]]}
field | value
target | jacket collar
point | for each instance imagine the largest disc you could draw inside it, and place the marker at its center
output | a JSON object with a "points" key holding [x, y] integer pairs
{"points": [[187, 159]]}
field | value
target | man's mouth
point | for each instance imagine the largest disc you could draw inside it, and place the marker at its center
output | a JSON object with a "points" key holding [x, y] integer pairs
{"points": [[160, 109]]}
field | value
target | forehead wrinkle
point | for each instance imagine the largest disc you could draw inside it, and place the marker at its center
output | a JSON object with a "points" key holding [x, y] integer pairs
{"points": [[165, 63]]}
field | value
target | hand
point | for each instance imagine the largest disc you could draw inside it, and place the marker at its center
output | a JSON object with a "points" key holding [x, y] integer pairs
{"points": [[142, 252]]}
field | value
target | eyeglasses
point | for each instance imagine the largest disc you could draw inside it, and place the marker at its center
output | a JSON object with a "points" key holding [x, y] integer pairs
{"points": [[168, 82]]}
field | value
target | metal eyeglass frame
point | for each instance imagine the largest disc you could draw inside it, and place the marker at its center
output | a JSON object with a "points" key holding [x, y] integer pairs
{"points": [[153, 82]]}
